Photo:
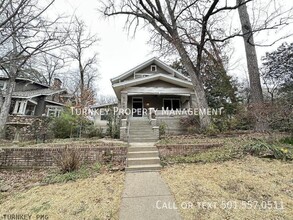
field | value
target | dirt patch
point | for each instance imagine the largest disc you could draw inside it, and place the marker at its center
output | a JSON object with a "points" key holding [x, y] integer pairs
{"points": [[90, 198], [250, 188]]}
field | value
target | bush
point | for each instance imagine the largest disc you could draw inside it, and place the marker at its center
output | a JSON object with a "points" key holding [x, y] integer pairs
{"points": [[162, 129], [191, 122], [287, 140], [65, 126], [69, 160], [272, 151]]}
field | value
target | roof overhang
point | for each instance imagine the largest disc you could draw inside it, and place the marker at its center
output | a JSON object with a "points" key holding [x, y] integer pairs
{"points": [[118, 87], [54, 103]]}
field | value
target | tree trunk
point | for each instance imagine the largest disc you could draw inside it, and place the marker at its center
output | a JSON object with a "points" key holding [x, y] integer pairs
{"points": [[252, 66], [6, 106], [201, 101]]}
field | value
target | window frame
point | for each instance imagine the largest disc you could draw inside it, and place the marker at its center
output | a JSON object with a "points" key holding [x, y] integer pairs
{"points": [[171, 99], [155, 68]]}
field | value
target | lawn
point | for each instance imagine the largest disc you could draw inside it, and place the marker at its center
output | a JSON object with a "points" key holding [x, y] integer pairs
{"points": [[246, 188], [85, 197]]}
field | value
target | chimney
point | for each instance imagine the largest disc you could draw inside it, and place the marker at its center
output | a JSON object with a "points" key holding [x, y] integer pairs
{"points": [[57, 83]]}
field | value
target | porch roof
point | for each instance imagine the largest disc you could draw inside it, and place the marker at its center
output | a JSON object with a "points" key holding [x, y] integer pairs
{"points": [[187, 86]]}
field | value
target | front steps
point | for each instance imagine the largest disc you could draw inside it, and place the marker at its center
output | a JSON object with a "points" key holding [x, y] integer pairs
{"points": [[140, 131], [142, 157]]}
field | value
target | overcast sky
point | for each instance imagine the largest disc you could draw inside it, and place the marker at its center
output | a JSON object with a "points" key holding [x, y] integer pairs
{"points": [[119, 52]]}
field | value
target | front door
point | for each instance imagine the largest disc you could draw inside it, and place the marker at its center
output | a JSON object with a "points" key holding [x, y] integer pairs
{"points": [[137, 106]]}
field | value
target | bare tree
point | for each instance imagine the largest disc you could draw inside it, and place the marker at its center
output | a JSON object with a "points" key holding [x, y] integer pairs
{"points": [[182, 24], [80, 44], [51, 66], [252, 64], [24, 34]]}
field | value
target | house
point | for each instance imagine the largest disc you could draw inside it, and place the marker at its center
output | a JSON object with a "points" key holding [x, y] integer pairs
{"points": [[101, 111], [147, 91], [31, 101], [31, 98]]}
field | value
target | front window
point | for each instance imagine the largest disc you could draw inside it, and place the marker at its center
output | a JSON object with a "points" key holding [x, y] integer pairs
{"points": [[104, 115], [54, 111], [171, 104], [30, 109], [19, 107]]}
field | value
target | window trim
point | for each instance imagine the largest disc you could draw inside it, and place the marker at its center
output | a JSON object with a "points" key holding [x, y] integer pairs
{"points": [[155, 68], [57, 111], [19, 107]]}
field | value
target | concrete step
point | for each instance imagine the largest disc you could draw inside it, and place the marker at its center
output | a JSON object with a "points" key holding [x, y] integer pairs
{"points": [[143, 161], [140, 127], [142, 154], [139, 140], [142, 149], [141, 136], [141, 130], [143, 168]]}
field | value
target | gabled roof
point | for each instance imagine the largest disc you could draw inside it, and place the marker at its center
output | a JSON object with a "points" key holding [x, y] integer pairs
{"points": [[153, 60], [35, 93], [135, 82]]}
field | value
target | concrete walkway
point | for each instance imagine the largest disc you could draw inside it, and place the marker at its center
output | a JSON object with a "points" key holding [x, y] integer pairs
{"points": [[147, 197]]}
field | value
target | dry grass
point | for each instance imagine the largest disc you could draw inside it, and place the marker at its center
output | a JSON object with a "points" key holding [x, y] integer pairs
{"points": [[249, 179], [91, 198]]}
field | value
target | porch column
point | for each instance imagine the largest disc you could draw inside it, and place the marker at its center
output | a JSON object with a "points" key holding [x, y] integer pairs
{"points": [[124, 99], [193, 103], [124, 124]]}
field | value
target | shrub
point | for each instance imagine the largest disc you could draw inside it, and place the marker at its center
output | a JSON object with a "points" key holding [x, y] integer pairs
{"points": [[287, 140], [65, 126], [212, 130], [162, 129], [69, 160], [191, 122], [261, 149]]}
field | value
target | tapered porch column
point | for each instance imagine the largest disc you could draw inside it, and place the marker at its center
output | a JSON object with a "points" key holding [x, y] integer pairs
{"points": [[124, 99], [193, 103]]}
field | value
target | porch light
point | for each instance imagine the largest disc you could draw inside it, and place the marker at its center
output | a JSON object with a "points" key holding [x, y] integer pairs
{"points": [[147, 104]]}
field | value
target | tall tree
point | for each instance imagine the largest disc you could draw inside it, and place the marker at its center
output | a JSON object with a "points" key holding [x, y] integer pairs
{"points": [[81, 44], [256, 94], [24, 33]]}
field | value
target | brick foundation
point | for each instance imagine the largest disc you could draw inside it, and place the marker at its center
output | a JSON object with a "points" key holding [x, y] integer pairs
{"points": [[29, 157]]}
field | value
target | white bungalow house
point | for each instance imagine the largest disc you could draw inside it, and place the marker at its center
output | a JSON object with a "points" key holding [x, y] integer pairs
{"points": [[155, 86]]}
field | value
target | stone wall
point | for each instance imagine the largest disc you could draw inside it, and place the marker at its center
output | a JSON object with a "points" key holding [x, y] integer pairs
{"points": [[36, 129], [38, 157], [183, 149]]}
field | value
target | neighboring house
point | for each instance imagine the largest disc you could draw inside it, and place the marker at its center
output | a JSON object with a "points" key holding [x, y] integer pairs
{"points": [[154, 84], [101, 111], [35, 99]]}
